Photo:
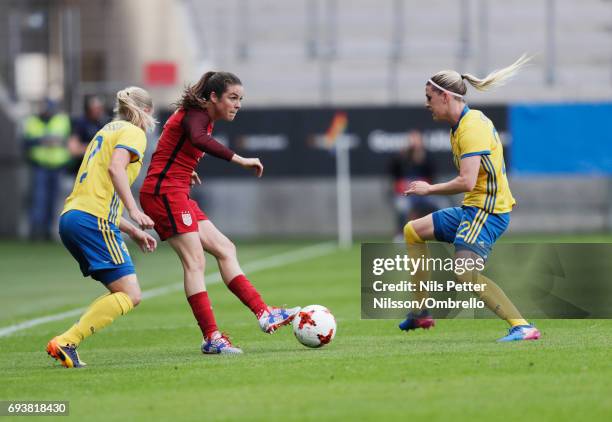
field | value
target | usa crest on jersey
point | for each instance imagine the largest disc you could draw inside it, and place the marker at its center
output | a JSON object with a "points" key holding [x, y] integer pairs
{"points": [[186, 216]]}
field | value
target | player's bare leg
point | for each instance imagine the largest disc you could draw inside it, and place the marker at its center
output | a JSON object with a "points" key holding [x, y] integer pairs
{"points": [[188, 248], [216, 243]]}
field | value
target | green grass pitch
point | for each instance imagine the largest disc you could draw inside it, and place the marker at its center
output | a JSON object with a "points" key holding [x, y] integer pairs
{"points": [[147, 365]]}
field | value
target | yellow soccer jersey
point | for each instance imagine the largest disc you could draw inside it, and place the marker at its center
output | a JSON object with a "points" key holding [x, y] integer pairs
{"points": [[93, 190], [476, 135]]}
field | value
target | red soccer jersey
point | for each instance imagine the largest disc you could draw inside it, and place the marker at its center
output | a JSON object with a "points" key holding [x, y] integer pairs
{"points": [[183, 142]]}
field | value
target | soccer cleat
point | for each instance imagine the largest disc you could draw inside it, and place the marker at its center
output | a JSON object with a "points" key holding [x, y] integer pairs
{"points": [[219, 344], [521, 332], [274, 318], [66, 355], [420, 320]]}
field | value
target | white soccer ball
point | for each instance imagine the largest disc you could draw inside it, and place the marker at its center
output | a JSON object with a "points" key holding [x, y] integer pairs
{"points": [[314, 326]]}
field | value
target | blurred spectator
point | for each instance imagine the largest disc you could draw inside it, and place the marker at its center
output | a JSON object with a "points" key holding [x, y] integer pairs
{"points": [[411, 164], [84, 128], [45, 136]]}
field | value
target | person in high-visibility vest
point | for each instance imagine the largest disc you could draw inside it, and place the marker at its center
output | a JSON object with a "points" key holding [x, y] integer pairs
{"points": [[45, 136]]}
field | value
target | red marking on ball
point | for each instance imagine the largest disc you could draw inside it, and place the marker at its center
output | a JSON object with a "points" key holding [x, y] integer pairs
{"points": [[306, 319], [326, 339]]}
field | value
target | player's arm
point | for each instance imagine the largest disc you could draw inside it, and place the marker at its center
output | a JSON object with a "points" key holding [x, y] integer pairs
{"points": [[464, 182], [195, 124], [249, 163], [118, 174], [144, 240]]}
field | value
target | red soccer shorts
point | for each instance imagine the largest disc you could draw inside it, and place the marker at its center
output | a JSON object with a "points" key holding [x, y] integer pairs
{"points": [[173, 213]]}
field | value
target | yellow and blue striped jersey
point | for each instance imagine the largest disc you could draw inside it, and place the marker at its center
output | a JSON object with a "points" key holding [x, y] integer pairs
{"points": [[93, 190], [476, 135]]}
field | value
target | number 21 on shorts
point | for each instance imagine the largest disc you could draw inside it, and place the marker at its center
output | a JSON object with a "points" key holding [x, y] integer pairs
{"points": [[463, 228]]}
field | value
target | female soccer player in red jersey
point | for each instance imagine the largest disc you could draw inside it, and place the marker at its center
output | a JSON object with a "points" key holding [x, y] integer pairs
{"points": [[91, 220], [484, 215], [165, 197]]}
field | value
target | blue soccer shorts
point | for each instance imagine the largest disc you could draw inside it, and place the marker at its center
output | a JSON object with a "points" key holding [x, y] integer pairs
{"points": [[470, 228], [97, 246]]}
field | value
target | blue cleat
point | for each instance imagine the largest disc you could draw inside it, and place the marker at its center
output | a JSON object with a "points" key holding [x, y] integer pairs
{"points": [[66, 355], [274, 318], [521, 332], [421, 320], [219, 344]]}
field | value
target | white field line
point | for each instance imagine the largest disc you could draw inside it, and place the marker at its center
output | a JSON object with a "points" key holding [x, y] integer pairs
{"points": [[273, 261]]}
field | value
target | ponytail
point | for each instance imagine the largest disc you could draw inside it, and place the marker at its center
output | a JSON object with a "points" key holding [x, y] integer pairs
{"points": [[453, 82], [130, 105], [497, 77]]}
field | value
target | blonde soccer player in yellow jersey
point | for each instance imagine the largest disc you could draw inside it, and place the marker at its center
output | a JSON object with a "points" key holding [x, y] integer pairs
{"points": [[91, 221], [484, 215]]}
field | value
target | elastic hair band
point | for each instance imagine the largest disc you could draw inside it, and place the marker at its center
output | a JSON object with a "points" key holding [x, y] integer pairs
{"points": [[444, 89]]}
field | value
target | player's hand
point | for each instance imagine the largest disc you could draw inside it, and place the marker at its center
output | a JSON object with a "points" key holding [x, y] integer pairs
{"points": [[140, 218], [195, 179], [418, 188], [145, 241], [253, 163]]}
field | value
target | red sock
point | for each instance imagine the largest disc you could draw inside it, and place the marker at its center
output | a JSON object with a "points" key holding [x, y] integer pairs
{"points": [[246, 292], [203, 313]]}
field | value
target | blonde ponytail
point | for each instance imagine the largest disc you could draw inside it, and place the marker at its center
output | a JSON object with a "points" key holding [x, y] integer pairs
{"points": [[497, 77], [130, 106], [452, 81]]}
